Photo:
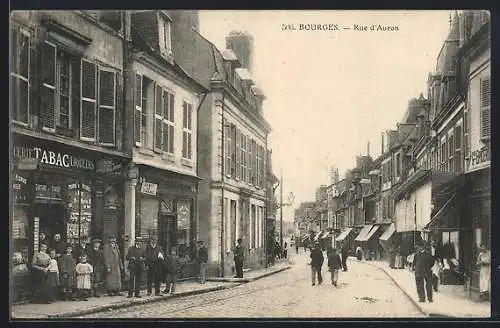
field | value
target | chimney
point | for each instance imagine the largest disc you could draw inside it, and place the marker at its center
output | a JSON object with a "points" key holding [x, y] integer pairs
{"points": [[241, 43], [368, 149], [382, 143]]}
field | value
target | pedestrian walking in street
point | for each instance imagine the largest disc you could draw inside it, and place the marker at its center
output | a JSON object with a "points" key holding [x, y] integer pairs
{"points": [[437, 267], [114, 267], [239, 258], [359, 253], [392, 257], [334, 264], [317, 260], [285, 250], [52, 276], [345, 253], [40, 265], [296, 247], [484, 264], [136, 258], [423, 262], [96, 259], [154, 266], [172, 266], [83, 278], [277, 250], [201, 261], [67, 278]]}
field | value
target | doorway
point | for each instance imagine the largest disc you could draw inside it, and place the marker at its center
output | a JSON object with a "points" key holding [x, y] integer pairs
{"points": [[167, 237], [52, 219]]}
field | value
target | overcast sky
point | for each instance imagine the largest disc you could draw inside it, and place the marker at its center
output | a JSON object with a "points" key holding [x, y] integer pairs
{"points": [[329, 93]]}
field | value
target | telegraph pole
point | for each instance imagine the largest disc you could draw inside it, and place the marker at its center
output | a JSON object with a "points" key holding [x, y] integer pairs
{"points": [[281, 210]]}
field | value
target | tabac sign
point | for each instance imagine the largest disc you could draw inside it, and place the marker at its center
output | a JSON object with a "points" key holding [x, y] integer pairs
{"points": [[54, 158], [479, 159]]}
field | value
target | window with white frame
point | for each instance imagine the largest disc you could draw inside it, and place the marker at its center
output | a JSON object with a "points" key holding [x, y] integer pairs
{"points": [[451, 151], [165, 33], [227, 148], [458, 148], [485, 103], [98, 103], [244, 158], [187, 130], [139, 133], [237, 137], [442, 155], [20, 75], [250, 160], [466, 128], [164, 122], [233, 149]]}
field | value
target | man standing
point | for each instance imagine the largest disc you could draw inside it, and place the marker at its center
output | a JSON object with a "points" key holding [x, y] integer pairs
{"points": [[316, 263], [95, 257], [423, 262], [297, 246], [114, 267], [285, 250], [135, 258], [58, 245], [154, 263], [334, 264], [345, 253], [201, 262], [239, 258]]}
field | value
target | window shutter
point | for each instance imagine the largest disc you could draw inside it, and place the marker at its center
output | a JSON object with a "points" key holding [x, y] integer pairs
{"points": [[233, 150], [47, 110], [171, 138], [138, 110], [189, 147], [166, 110], [158, 119], [88, 115], [485, 93], [238, 152], [171, 116], [190, 117], [107, 105]]}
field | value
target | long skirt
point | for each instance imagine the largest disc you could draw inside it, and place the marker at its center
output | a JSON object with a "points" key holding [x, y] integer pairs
{"points": [[484, 279]]}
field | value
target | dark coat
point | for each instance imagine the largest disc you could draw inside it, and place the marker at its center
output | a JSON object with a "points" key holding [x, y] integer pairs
{"points": [[79, 251], [202, 256], [96, 258], [239, 254], [317, 257], [172, 264], [136, 257], [67, 266], [113, 262], [58, 246], [423, 262], [334, 260], [153, 262]]}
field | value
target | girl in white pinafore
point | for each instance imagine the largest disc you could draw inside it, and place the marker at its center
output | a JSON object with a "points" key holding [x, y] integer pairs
{"points": [[84, 272]]}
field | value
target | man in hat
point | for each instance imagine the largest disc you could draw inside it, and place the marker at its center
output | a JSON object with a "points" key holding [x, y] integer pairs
{"points": [[201, 262], [239, 257], [136, 257], [58, 245], [423, 262], [154, 264], [96, 259], [317, 260]]}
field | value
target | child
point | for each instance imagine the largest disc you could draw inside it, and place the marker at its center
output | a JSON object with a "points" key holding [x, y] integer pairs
{"points": [[52, 276], [67, 273], [83, 278], [172, 262]]}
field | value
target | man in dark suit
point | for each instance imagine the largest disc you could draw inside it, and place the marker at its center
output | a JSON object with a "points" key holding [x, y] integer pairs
{"points": [[201, 262], [317, 259], [345, 253], [154, 264], [96, 258], [423, 262], [239, 256], [135, 258]]}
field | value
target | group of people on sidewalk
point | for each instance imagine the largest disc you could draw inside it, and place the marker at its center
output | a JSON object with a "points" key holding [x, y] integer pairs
{"points": [[65, 272], [336, 262]]}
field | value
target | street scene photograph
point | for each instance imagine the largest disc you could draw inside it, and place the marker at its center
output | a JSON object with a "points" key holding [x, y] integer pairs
{"points": [[277, 164]]}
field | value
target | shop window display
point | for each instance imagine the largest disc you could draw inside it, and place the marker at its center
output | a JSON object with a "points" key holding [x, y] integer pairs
{"points": [[80, 213]]}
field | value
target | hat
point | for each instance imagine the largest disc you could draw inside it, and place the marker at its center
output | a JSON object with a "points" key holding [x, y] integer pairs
{"points": [[96, 240]]}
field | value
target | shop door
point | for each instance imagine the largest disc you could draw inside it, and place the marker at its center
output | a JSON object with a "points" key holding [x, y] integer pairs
{"points": [[52, 219], [167, 236]]}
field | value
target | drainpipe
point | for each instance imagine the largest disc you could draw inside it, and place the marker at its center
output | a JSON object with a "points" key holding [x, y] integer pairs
{"points": [[222, 190], [197, 162]]}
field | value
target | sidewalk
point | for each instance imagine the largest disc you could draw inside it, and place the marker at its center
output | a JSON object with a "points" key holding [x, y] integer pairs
{"points": [[253, 275], [104, 303], [449, 301]]}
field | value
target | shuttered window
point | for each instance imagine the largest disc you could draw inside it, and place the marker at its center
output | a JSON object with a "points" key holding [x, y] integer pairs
{"points": [[458, 149], [88, 116], [138, 110], [238, 153], [158, 128], [20, 75], [48, 89], [233, 150], [485, 93], [107, 106], [187, 130], [164, 124], [451, 152], [227, 148], [250, 161], [258, 166]]}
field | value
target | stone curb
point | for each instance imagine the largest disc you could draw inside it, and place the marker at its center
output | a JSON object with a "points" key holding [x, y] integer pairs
{"points": [[133, 302], [245, 280]]}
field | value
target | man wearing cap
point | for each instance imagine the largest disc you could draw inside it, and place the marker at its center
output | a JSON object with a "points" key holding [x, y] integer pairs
{"points": [[95, 258], [136, 258], [154, 264], [201, 262]]}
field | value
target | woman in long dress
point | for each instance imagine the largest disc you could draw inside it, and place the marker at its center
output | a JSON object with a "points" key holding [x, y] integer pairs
{"points": [[484, 263], [114, 267], [40, 267]]}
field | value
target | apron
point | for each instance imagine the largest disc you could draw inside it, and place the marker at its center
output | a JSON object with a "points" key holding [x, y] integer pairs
{"points": [[484, 272]]}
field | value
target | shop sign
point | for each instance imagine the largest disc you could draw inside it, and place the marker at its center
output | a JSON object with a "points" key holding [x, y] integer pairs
{"points": [[149, 188], [54, 158], [108, 166], [19, 180], [478, 159]]}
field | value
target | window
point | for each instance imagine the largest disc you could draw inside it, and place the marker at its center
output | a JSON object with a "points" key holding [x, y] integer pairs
{"points": [[98, 103], [259, 167], [451, 152], [253, 230], [237, 135], [243, 158], [164, 120], [398, 165], [250, 160], [187, 130], [485, 94], [165, 35], [138, 130], [466, 133], [227, 148], [233, 223], [442, 155], [458, 149], [233, 150], [20, 75]]}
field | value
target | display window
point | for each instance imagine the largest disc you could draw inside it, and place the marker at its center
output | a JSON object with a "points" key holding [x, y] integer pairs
{"points": [[20, 224]]}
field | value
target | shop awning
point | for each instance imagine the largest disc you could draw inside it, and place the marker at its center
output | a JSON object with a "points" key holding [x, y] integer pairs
{"points": [[325, 234], [388, 232], [439, 214], [306, 237], [317, 236], [366, 229], [370, 233], [344, 234]]}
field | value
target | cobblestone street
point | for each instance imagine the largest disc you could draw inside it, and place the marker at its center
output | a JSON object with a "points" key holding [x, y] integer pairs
{"points": [[363, 291]]}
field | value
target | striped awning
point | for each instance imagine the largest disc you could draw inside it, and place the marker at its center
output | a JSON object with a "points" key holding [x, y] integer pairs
{"points": [[317, 236], [364, 232], [325, 234], [370, 233], [388, 232], [344, 234], [306, 237]]}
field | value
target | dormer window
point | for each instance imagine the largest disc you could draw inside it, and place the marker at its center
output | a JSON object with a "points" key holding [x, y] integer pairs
{"points": [[165, 34]]}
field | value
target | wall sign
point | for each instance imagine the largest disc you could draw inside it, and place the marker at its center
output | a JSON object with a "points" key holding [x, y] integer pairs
{"points": [[149, 188], [478, 159], [53, 158], [108, 166]]}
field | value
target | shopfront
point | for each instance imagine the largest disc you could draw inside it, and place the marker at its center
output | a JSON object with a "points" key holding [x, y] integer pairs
{"points": [[166, 208], [58, 189]]}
